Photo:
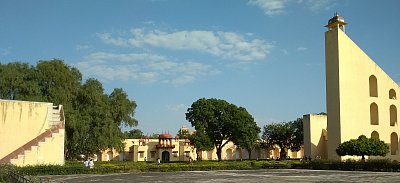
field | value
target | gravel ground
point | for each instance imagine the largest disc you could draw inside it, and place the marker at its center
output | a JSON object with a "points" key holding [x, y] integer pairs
{"points": [[247, 176]]}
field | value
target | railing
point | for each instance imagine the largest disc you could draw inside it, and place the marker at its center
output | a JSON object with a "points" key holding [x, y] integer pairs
{"points": [[57, 115]]}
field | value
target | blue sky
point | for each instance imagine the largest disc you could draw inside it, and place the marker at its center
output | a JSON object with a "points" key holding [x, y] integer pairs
{"points": [[264, 55]]}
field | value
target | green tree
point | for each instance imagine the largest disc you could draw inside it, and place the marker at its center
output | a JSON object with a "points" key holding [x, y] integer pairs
{"points": [[122, 109], [363, 146], [221, 121], [58, 82], [93, 118], [287, 135], [17, 82], [154, 136], [201, 142], [249, 134], [133, 134], [183, 134], [297, 140]]}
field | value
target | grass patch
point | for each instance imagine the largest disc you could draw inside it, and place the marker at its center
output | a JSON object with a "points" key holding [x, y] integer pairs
{"points": [[74, 167]]}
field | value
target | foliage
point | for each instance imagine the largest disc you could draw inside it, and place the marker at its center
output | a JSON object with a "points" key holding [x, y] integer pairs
{"points": [[133, 134], [351, 165], [74, 167], [17, 82], [129, 166], [220, 121], [201, 142], [298, 134], [287, 135], [183, 134], [248, 141], [93, 118], [154, 136], [363, 146]]}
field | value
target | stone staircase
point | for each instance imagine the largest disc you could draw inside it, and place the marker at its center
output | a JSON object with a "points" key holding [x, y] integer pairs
{"points": [[32, 145], [56, 126]]}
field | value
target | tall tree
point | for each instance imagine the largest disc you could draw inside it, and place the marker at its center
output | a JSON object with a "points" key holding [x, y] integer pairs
{"points": [[363, 146], [297, 139], [17, 83], [134, 134], [122, 109], [93, 118], [221, 121], [58, 82], [183, 134], [201, 142], [287, 135], [248, 141]]}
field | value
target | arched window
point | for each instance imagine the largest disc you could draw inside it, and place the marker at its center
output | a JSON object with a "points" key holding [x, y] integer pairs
{"points": [[228, 154], [392, 94], [393, 115], [394, 143], [373, 86], [373, 108], [374, 135]]}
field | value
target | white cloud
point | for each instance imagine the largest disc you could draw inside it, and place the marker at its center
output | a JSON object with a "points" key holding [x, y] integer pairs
{"points": [[270, 7], [276, 7], [82, 47], [302, 48], [176, 108], [143, 68], [227, 45], [317, 5], [106, 38]]}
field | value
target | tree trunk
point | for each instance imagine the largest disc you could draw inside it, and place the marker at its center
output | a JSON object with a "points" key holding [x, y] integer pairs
{"points": [[249, 151], [219, 150], [197, 155], [362, 158], [282, 153]]}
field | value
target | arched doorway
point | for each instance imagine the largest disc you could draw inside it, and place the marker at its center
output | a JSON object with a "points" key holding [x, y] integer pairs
{"points": [[228, 154], [238, 154], [209, 155], [121, 156], [109, 156], [373, 86], [165, 156], [374, 135], [374, 114], [394, 143]]}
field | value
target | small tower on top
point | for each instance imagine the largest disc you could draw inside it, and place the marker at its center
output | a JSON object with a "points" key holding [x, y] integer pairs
{"points": [[336, 22]]}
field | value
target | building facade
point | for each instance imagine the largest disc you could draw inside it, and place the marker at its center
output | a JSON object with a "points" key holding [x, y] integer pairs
{"points": [[31, 133], [168, 148], [360, 99]]}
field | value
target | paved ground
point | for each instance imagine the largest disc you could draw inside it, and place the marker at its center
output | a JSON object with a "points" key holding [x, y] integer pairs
{"points": [[235, 176]]}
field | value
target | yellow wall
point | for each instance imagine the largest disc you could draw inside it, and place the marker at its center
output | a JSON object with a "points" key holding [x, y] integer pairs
{"points": [[133, 148], [315, 136], [22, 121], [355, 100], [48, 152], [348, 99]]}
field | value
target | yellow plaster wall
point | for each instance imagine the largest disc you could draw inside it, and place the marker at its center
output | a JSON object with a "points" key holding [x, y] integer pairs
{"points": [[348, 70], [51, 151], [229, 152], [21, 122], [332, 91], [315, 136]]}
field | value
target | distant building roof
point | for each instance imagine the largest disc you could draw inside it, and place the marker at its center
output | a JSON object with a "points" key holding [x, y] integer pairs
{"points": [[165, 136]]}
